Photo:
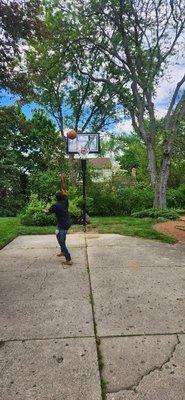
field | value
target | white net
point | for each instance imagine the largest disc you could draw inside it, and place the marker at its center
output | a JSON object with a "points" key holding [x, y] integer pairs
{"points": [[83, 151]]}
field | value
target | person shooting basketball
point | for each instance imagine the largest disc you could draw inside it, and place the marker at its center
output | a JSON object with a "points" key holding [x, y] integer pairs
{"points": [[60, 209]]}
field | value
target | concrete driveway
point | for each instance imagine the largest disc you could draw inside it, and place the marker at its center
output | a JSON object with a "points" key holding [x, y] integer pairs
{"points": [[122, 302]]}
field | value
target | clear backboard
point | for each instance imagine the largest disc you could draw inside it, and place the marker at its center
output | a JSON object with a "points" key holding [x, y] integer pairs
{"points": [[84, 144]]}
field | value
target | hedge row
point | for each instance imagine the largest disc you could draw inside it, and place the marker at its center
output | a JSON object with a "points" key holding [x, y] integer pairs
{"points": [[105, 200]]}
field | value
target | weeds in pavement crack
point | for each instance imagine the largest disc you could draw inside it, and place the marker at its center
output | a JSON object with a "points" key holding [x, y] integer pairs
{"points": [[97, 339]]}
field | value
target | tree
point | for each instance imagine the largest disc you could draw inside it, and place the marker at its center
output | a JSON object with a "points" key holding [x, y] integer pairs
{"points": [[130, 152], [134, 42], [177, 170], [45, 149], [19, 21], [27, 146], [13, 125], [73, 99]]}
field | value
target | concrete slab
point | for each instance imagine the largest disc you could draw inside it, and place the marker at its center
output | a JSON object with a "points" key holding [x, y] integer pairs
{"points": [[49, 370], [138, 300], [40, 299], [121, 252], [44, 283], [113, 239], [162, 381], [43, 241], [24, 259], [118, 257], [128, 359], [19, 259], [49, 351], [55, 318]]}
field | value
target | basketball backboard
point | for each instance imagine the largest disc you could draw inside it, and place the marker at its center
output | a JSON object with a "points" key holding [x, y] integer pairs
{"points": [[84, 144]]}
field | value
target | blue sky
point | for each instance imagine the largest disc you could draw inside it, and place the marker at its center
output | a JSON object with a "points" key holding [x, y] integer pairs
{"points": [[164, 93], [6, 99]]}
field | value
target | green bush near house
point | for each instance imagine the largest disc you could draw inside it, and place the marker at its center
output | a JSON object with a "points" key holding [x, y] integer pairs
{"points": [[157, 213]]}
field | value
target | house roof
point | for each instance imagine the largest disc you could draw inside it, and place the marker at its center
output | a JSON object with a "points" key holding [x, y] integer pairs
{"points": [[102, 162]]}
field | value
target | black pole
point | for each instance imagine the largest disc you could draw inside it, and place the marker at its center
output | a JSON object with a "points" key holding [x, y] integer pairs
{"points": [[83, 163]]}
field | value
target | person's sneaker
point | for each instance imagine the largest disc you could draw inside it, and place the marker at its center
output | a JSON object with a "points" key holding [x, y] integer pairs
{"points": [[60, 254], [67, 263]]}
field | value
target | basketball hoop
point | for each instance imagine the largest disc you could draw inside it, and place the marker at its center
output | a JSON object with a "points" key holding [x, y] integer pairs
{"points": [[83, 143]]}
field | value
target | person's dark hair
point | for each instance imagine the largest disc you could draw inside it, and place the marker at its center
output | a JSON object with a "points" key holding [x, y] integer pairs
{"points": [[60, 196]]}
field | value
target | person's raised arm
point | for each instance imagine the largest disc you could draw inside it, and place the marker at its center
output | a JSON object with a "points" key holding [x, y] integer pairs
{"points": [[63, 186]]}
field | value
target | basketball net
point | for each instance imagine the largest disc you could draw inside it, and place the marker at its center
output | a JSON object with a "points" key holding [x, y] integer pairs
{"points": [[83, 151]]}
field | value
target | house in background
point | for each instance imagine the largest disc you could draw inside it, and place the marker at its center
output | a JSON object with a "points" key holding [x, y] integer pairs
{"points": [[104, 168]]}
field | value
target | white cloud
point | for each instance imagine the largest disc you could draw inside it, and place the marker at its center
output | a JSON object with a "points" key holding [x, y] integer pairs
{"points": [[124, 126], [160, 112], [167, 86], [163, 96]]}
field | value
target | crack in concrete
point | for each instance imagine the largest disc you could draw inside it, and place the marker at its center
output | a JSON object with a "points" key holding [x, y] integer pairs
{"points": [[30, 265], [46, 276], [134, 387]]}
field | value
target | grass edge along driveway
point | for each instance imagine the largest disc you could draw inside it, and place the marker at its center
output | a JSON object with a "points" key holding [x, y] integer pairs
{"points": [[10, 227]]}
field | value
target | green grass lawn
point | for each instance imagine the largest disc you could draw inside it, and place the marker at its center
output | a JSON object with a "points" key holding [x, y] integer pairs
{"points": [[10, 227]]}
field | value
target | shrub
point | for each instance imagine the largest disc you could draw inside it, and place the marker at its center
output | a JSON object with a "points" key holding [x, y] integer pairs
{"points": [[45, 183], [135, 199], [156, 213], [7, 213], [74, 211], [34, 213], [105, 200], [121, 200], [76, 203], [89, 203], [109, 200], [180, 211], [176, 197]]}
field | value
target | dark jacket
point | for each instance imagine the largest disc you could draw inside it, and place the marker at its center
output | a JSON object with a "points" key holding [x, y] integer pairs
{"points": [[62, 214]]}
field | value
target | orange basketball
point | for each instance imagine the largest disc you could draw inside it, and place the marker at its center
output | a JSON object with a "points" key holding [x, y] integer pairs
{"points": [[71, 134]]}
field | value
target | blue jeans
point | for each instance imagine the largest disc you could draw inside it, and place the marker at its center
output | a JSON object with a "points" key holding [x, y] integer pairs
{"points": [[61, 237]]}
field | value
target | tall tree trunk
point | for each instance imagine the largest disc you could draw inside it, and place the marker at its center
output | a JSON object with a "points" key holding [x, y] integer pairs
{"points": [[159, 180], [162, 179], [159, 194], [152, 168]]}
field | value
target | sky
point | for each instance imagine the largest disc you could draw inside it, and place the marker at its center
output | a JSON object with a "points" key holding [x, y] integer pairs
{"points": [[163, 95], [7, 99]]}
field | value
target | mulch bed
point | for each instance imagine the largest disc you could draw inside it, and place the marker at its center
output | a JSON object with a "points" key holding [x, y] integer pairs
{"points": [[175, 229]]}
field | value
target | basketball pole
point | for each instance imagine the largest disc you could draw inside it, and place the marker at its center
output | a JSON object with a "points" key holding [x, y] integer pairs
{"points": [[84, 165]]}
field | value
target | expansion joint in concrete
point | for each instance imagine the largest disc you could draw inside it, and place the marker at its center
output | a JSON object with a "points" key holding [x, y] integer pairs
{"points": [[99, 354], [127, 335], [40, 339]]}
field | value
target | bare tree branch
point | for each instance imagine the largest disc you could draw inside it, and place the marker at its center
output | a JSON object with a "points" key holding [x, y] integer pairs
{"points": [[173, 100]]}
